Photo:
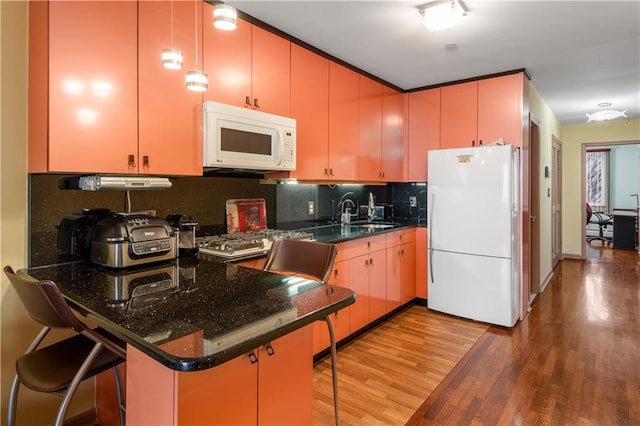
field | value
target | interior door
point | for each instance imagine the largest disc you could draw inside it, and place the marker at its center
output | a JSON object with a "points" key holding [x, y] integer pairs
{"points": [[556, 201]]}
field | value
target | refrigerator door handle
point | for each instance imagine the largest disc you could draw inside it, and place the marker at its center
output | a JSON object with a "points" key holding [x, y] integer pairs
{"points": [[433, 200]]}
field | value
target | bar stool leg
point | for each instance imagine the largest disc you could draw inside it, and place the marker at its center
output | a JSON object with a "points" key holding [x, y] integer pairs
{"points": [[121, 406], [334, 369]]}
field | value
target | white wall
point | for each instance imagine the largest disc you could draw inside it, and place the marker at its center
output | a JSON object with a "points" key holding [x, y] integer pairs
{"points": [[549, 126], [624, 163]]}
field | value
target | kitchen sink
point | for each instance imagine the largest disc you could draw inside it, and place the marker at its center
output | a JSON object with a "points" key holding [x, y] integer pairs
{"points": [[374, 225]]}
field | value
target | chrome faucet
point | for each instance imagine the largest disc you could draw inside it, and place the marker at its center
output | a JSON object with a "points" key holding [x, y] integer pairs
{"points": [[371, 209], [342, 207]]}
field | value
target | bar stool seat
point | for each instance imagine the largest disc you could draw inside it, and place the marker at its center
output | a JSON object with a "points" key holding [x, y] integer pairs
{"points": [[60, 367]]}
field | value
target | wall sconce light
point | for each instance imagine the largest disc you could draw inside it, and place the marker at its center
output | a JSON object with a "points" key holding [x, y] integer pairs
{"points": [[225, 17], [438, 15], [196, 80], [172, 57]]}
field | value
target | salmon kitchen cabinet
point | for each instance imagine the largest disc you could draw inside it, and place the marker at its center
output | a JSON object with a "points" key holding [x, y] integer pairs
{"points": [[310, 107], [422, 268], [344, 119], [169, 141], [341, 319], [369, 159], [247, 67], [482, 111], [401, 268], [245, 390], [423, 131], [83, 95], [392, 135]]}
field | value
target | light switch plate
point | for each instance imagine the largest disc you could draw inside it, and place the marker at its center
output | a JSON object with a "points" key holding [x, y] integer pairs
{"points": [[311, 209], [413, 201]]}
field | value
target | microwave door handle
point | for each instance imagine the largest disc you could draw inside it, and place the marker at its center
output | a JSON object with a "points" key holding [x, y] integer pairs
{"points": [[280, 147]]}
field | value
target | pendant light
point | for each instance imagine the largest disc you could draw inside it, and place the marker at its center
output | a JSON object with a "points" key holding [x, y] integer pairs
{"points": [[225, 17], [196, 80], [172, 57]]}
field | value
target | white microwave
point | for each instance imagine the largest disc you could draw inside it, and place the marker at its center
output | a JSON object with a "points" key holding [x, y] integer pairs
{"points": [[244, 138]]}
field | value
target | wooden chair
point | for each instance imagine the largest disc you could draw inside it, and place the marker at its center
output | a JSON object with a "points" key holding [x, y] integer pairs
{"points": [[60, 367], [313, 260]]}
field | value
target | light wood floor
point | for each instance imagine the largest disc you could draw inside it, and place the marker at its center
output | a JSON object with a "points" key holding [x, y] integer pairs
{"points": [[385, 375], [573, 360]]}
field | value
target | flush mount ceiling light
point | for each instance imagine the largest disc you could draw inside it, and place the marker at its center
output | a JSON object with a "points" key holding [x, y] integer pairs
{"points": [[438, 15], [605, 114], [172, 57], [196, 80], [225, 17]]}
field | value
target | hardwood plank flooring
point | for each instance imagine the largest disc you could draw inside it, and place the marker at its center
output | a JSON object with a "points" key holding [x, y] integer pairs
{"points": [[386, 374], [573, 360]]}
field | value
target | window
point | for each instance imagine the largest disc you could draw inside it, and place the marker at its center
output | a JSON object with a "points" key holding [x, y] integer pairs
{"points": [[597, 175]]}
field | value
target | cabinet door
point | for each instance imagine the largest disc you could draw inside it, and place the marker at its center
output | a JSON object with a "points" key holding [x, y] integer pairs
{"points": [[227, 61], [341, 319], [377, 273], [394, 278], [459, 115], [359, 283], [369, 160], [500, 109], [343, 122], [421, 262], [93, 111], [310, 107], [270, 72], [285, 380], [224, 395], [424, 131], [408, 284], [168, 135], [392, 132]]}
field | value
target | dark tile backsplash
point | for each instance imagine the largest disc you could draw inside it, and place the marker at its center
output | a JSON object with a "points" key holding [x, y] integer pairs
{"points": [[203, 198]]}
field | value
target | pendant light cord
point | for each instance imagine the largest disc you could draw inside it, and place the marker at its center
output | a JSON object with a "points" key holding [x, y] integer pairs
{"points": [[172, 23], [196, 32]]}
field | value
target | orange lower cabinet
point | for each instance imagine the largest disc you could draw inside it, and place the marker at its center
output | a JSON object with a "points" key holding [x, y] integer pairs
{"points": [[377, 285], [285, 380], [276, 388], [421, 262]]}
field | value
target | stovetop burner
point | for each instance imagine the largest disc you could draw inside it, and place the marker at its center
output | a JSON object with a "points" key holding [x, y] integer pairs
{"points": [[246, 244]]}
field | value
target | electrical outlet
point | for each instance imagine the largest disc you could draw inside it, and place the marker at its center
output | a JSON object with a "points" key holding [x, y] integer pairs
{"points": [[413, 201], [311, 208]]}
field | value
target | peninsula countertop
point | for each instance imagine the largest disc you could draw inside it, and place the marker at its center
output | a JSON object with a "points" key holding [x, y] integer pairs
{"points": [[194, 314]]}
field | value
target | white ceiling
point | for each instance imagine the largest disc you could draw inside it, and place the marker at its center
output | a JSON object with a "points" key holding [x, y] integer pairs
{"points": [[578, 53]]}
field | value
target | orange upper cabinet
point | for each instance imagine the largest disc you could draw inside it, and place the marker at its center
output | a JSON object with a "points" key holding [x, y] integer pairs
{"points": [[480, 112], [310, 108], [226, 60], [424, 131], [500, 109], [344, 119], [369, 160], [169, 139], [392, 133], [83, 98], [459, 115], [246, 67]]}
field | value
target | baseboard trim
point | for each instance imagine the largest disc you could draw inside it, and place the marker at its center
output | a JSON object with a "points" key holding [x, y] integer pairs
{"points": [[572, 256], [546, 281]]}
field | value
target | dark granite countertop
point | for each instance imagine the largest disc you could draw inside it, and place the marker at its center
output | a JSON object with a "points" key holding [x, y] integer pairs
{"points": [[326, 232], [194, 314]]}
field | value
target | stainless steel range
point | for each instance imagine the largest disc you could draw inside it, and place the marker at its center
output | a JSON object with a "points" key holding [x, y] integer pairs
{"points": [[246, 244]]}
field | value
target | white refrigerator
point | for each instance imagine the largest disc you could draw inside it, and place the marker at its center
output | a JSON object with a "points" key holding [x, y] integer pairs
{"points": [[473, 253]]}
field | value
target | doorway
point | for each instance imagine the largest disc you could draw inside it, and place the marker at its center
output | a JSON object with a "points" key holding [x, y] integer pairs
{"points": [[556, 201], [534, 203], [624, 172]]}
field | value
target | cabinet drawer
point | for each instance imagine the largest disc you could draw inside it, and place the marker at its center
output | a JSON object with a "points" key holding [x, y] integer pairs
{"points": [[400, 237], [359, 247]]}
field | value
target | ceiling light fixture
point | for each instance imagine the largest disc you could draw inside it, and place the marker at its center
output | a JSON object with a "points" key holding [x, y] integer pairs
{"points": [[196, 80], [172, 57], [605, 114], [225, 17], [438, 15]]}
